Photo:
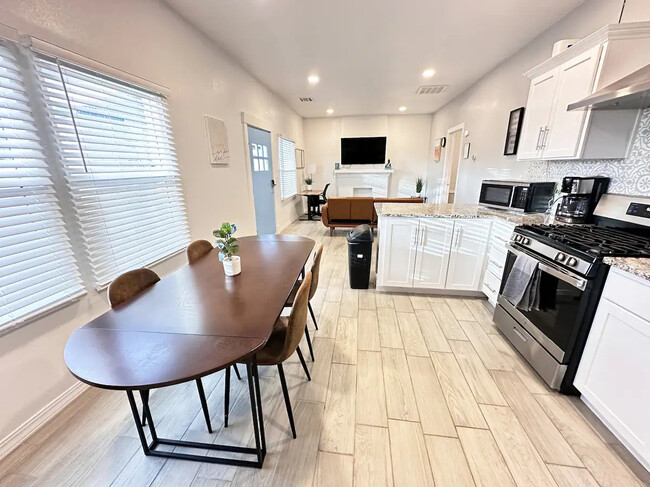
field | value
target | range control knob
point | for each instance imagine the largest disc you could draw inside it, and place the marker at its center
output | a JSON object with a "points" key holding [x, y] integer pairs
{"points": [[560, 257], [518, 238], [525, 241], [571, 261]]}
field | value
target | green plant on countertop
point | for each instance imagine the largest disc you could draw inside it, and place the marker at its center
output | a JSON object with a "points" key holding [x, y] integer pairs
{"points": [[308, 180], [225, 241], [418, 185]]}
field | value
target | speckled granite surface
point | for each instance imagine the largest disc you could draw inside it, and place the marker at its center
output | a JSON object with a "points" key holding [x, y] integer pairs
{"points": [[455, 211], [638, 266]]}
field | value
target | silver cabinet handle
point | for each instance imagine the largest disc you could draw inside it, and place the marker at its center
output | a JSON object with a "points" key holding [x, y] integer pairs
{"points": [[520, 335], [539, 137], [544, 139], [415, 240], [496, 265], [458, 237], [490, 288], [422, 234]]}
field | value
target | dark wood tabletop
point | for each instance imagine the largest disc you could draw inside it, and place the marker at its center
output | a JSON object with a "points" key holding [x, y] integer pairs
{"points": [[192, 323]]}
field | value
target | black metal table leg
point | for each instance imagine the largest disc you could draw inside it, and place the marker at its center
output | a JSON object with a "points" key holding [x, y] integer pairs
{"points": [[309, 213]]}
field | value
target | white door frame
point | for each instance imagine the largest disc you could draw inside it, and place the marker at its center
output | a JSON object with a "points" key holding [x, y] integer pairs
{"points": [[446, 171], [251, 120]]}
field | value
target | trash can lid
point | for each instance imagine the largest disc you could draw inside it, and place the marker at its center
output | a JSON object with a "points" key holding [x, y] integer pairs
{"points": [[362, 233]]}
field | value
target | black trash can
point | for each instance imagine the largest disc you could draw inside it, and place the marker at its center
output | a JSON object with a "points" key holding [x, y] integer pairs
{"points": [[359, 255]]}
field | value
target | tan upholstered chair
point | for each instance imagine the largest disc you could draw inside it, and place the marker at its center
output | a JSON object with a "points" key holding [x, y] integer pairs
{"points": [[283, 342], [126, 287], [315, 272]]}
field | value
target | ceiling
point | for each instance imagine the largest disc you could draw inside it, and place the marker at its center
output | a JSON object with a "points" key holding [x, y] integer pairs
{"points": [[370, 54]]}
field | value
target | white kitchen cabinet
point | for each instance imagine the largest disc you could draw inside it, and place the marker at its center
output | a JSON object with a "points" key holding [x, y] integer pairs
{"points": [[398, 246], [549, 130], [418, 253], [496, 259], [467, 256], [432, 258], [614, 372]]}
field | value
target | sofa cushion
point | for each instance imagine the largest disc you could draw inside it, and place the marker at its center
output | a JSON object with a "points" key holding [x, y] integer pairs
{"points": [[338, 208], [361, 209]]}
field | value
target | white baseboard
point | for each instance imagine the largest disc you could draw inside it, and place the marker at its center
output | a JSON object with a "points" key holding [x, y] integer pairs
{"points": [[29, 427]]}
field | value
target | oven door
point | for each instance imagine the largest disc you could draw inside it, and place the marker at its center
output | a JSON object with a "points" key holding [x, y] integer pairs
{"points": [[496, 195], [563, 298]]}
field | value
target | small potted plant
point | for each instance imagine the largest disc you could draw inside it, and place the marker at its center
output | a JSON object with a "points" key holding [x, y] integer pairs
{"points": [[308, 181], [418, 186], [227, 245]]}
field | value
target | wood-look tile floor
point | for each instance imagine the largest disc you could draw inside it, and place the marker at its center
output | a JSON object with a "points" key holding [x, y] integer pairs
{"points": [[406, 390]]}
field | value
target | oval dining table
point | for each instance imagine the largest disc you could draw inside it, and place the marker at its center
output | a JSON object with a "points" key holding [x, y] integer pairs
{"points": [[190, 324]]}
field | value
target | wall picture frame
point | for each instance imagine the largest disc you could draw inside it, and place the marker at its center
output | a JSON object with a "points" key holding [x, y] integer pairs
{"points": [[513, 132], [217, 141]]}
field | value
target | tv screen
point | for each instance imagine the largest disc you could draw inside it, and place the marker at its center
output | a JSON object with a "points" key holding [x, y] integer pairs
{"points": [[363, 150]]}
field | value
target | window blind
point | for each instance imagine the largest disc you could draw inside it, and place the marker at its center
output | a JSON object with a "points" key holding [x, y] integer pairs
{"points": [[119, 160], [288, 178], [37, 268]]}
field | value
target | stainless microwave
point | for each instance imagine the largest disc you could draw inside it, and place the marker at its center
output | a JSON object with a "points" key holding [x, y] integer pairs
{"points": [[523, 196]]}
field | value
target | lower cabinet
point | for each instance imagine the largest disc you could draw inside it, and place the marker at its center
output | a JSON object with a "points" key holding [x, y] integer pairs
{"points": [[496, 259], [614, 372], [432, 253]]}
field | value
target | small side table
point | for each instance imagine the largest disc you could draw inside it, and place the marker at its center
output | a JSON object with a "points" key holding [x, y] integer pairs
{"points": [[313, 198]]}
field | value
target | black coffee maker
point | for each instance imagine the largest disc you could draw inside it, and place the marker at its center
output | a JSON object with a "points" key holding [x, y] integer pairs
{"points": [[580, 198]]}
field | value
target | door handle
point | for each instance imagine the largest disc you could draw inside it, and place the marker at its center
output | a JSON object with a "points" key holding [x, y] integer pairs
{"points": [[422, 233], [458, 238], [539, 137], [273, 183], [544, 139], [415, 240]]}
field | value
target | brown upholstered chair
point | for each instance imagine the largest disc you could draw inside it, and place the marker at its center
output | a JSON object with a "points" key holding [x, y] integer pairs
{"points": [[283, 342], [126, 287], [195, 251], [315, 272]]}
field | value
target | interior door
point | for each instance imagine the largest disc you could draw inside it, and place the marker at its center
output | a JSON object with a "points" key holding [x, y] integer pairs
{"points": [[538, 111], [575, 81], [398, 249], [432, 259], [468, 253], [259, 146]]}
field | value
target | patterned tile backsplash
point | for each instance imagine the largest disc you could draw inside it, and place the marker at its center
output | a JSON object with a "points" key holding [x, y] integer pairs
{"points": [[628, 176]]}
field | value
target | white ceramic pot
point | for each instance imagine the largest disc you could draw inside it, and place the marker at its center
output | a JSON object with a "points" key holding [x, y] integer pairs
{"points": [[232, 266], [309, 187]]}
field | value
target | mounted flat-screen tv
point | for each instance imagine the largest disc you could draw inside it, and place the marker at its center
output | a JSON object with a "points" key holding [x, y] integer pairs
{"points": [[363, 150]]}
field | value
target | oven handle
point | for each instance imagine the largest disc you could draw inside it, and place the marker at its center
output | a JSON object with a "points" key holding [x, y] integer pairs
{"points": [[578, 282]]}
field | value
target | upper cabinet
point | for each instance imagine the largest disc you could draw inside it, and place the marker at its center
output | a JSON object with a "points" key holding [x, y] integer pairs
{"points": [[550, 131]]}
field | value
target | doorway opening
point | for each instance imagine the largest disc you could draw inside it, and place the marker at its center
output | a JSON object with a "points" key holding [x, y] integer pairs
{"points": [[261, 164], [453, 156]]}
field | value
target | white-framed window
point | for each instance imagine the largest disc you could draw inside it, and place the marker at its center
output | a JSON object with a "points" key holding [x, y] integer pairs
{"points": [[38, 271], [288, 175], [115, 145]]}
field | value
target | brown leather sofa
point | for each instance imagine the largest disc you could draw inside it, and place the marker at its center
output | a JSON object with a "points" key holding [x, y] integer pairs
{"points": [[353, 211]]}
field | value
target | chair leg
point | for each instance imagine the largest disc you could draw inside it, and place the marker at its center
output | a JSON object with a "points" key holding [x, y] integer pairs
{"points": [[313, 316], [145, 405], [204, 404], [234, 366], [311, 350], [287, 401], [304, 364], [331, 231], [226, 397]]}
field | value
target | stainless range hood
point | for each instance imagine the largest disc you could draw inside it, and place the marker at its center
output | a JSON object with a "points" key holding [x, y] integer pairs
{"points": [[630, 92]]}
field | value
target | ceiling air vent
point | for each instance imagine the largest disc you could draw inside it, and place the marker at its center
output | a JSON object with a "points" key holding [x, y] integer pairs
{"points": [[430, 89], [305, 98]]}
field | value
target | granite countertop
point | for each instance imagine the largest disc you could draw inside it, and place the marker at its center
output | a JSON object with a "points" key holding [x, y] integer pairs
{"points": [[455, 211], [639, 266]]}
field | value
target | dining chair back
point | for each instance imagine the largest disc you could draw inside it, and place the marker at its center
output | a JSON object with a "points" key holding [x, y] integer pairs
{"points": [[130, 284], [198, 249], [323, 195], [297, 320], [315, 272]]}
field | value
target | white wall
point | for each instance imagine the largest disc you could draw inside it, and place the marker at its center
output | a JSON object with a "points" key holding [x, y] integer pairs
{"points": [[407, 146], [147, 39], [486, 105]]}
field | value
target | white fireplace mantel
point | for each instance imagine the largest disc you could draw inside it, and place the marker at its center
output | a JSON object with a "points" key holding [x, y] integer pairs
{"points": [[362, 182]]}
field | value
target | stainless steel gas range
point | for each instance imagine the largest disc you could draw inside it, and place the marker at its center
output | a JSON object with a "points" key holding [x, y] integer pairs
{"points": [[571, 276]]}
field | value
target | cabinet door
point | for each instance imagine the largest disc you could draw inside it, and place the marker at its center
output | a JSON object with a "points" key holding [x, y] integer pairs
{"points": [[576, 79], [536, 117], [613, 375], [467, 258], [397, 250], [434, 244]]}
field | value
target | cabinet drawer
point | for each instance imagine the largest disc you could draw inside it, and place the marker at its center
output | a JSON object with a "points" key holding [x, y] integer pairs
{"points": [[491, 285], [495, 266], [630, 292]]}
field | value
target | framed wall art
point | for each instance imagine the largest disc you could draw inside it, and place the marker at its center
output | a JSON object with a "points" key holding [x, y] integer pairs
{"points": [[217, 141], [515, 122]]}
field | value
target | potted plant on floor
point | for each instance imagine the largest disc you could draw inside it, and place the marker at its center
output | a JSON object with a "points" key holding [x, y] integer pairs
{"points": [[418, 187], [227, 245], [308, 181]]}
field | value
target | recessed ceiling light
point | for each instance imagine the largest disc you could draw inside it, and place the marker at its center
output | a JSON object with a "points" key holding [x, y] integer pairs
{"points": [[330, 111], [402, 108], [428, 73], [313, 79]]}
